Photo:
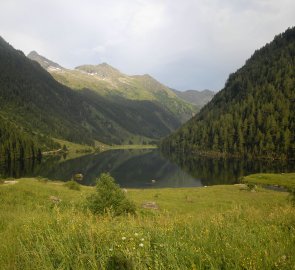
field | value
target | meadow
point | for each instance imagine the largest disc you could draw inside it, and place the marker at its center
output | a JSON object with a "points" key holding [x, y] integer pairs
{"points": [[45, 225]]}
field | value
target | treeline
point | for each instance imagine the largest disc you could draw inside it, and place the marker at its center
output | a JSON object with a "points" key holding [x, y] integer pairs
{"points": [[253, 115], [15, 145]]}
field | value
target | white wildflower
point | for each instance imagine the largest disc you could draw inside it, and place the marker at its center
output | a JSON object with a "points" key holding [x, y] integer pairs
{"points": [[141, 244], [123, 238]]}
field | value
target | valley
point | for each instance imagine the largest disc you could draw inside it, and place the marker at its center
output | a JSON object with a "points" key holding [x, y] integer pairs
{"points": [[104, 170]]}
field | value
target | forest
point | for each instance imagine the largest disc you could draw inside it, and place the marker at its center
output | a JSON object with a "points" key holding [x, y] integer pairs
{"points": [[253, 115]]}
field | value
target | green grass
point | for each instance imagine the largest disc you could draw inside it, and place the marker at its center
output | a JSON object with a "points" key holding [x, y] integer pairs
{"points": [[76, 150], [134, 146], [218, 227], [286, 180]]}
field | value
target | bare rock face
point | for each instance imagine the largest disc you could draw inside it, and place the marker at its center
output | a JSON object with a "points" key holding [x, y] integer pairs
{"points": [[150, 205]]}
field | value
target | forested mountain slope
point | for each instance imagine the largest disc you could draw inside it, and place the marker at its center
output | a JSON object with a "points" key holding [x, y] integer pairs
{"points": [[254, 114], [34, 101], [110, 83]]}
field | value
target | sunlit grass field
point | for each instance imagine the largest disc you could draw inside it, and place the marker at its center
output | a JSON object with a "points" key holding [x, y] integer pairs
{"points": [[282, 180], [218, 227]]}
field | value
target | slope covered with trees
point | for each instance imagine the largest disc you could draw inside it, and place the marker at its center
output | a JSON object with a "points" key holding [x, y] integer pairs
{"points": [[254, 114], [34, 101]]}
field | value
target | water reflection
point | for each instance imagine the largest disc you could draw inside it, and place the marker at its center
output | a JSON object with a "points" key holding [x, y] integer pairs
{"points": [[137, 169], [212, 171]]}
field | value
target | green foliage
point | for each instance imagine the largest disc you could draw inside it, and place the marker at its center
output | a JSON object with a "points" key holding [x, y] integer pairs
{"points": [[254, 115], [17, 144], [109, 198], [251, 186], [286, 180], [292, 196], [234, 230], [119, 262], [73, 185], [34, 101]]}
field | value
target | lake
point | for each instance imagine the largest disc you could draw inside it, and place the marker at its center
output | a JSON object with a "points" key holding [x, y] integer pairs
{"points": [[145, 169]]}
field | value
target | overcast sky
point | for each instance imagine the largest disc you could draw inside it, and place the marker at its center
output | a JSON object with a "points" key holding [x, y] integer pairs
{"points": [[185, 44]]}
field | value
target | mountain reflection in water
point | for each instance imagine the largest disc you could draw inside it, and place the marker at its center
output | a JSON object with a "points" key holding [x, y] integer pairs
{"points": [[145, 169]]}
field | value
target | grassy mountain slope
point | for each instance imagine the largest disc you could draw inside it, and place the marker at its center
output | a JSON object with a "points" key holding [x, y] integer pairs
{"points": [[111, 83], [32, 99], [198, 98], [254, 115]]}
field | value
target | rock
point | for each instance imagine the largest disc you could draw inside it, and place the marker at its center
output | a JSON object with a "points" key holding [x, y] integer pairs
{"points": [[150, 205], [242, 186], [78, 177], [10, 182], [55, 199]]}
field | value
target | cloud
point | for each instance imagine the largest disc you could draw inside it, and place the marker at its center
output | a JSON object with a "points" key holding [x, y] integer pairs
{"points": [[192, 44]]}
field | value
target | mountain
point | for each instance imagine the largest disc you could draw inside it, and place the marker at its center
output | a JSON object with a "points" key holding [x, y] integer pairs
{"points": [[198, 98], [110, 83], [44, 62], [41, 108], [253, 115]]}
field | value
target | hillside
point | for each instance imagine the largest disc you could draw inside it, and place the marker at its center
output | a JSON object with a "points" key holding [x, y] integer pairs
{"points": [[254, 114], [110, 83], [35, 102], [198, 98]]}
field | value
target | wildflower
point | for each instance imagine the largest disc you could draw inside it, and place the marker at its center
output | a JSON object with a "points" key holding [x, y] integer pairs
{"points": [[141, 244], [123, 238], [136, 234], [142, 239], [110, 249]]}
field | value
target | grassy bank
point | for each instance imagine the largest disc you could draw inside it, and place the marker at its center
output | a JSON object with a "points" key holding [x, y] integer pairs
{"points": [[218, 227], [286, 180], [76, 150]]}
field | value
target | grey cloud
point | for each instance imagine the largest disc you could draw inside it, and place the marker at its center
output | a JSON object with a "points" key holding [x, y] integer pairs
{"points": [[192, 44]]}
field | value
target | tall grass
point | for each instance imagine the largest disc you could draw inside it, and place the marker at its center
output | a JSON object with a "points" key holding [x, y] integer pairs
{"points": [[36, 233]]}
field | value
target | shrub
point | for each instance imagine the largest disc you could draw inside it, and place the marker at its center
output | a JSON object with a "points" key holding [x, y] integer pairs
{"points": [[251, 186], [109, 198], [72, 185], [292, 196], [119, 262]]}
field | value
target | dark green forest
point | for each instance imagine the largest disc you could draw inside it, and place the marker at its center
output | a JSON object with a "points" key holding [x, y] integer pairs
{"points": [[253, 115], [15, 144]]}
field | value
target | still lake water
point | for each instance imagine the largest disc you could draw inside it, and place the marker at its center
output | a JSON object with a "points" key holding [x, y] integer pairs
{"points": [[137, 169]]}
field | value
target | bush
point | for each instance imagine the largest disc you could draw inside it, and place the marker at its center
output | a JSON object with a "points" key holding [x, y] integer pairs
{"points": [[109, 198], [72, 185], [251, 186], [119, 262], [292, 196]]}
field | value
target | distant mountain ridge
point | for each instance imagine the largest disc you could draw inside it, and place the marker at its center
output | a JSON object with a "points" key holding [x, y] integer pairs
{"points": [[110, 83], [254, 115], [41, 108], [44, 62], [198, 98]]}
